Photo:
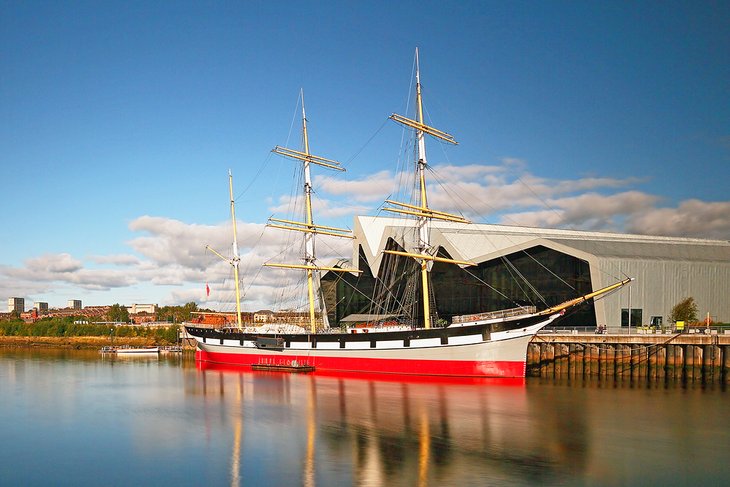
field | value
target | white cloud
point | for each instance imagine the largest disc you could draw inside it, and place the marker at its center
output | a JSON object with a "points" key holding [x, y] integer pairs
{"points": [[601, 211], [542, 218], [591, 183], [589, 211], [120, 259], [693, 218], [372, 188], [53, 264], [474, 172]]}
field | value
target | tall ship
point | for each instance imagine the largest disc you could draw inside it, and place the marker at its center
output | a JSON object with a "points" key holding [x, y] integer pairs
{"points": [[492, 343]]}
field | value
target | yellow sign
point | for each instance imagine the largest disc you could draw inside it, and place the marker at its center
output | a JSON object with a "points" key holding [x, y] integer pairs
{"points": [[680, 325]]}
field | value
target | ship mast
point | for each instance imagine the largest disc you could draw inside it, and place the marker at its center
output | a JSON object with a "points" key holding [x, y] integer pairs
{"points": [[425, 253], [308, 227], [235, 260]]}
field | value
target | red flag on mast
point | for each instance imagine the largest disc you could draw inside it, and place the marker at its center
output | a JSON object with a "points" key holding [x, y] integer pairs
{"points": [[207, 290]]}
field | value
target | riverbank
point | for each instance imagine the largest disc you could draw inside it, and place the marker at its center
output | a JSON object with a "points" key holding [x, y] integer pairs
{"points": [[78, 343]]}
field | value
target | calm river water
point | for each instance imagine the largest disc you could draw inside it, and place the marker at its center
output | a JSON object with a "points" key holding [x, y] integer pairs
{"points": [[77, 418]]}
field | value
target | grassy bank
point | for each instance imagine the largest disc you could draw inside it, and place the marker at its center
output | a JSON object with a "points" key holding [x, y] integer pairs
{"points": [[65, 333]]}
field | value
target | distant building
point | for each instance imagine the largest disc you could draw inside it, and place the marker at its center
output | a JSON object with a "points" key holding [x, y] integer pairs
{"points": [[74, 304], [263, 316], [292, 317], [41, 307], [97, 312], [142, 308], [16, 304], [220, 319], [30, 316]]}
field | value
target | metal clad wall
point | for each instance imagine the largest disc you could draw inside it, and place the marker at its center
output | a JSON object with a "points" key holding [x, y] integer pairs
{"points": [[661, 284]]}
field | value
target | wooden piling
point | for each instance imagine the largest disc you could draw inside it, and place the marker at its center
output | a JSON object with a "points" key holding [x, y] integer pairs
{"points": [[571, 361], [602, 362], [639, 358], [651, 363], [633, 363], [561, 359], [679, 362], [643, 362], [669, 365], [610, 361], [660, 363], [591, 356], [710, 354], [697, 362], [547, 360]]}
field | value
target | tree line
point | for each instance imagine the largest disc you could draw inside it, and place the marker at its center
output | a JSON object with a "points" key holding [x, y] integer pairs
{"points": [[173, 314], [65, 327]]}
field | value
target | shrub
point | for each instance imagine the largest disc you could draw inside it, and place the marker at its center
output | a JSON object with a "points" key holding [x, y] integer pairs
{"points": [[685, 310]]}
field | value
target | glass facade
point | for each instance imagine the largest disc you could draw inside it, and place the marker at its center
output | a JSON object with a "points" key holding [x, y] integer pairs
{"points": [[537, 276], [636, 316]]}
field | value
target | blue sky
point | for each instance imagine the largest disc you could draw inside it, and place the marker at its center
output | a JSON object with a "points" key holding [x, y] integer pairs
{"points": [[120, 121]]}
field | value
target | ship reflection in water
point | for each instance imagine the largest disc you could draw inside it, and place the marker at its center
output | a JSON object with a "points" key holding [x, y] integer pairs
{"points": [[73, 418], [339, 430]]}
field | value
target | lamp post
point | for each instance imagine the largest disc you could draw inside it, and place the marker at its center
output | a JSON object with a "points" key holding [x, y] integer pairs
{"points": [[629, 310]]}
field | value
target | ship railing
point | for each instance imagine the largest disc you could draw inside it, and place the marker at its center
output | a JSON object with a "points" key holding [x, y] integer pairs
{"points": [[492, 315], [202, 325]]}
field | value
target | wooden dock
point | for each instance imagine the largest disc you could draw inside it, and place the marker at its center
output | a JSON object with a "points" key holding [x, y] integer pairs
{"points": [[676, 357]]}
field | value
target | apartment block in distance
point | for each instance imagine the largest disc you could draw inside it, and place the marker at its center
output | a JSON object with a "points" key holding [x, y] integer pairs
{"points": [[16, 304], [74, 304]]}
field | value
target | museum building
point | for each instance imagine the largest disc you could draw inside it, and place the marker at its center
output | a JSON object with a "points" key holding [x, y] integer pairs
{"points": [[522, 266]]}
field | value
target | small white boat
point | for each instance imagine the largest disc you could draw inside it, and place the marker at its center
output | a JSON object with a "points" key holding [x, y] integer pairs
{"points": [[131, 350]]}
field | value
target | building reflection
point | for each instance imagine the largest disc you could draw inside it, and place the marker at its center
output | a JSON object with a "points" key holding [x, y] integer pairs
{"points": [[394, 431]]}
